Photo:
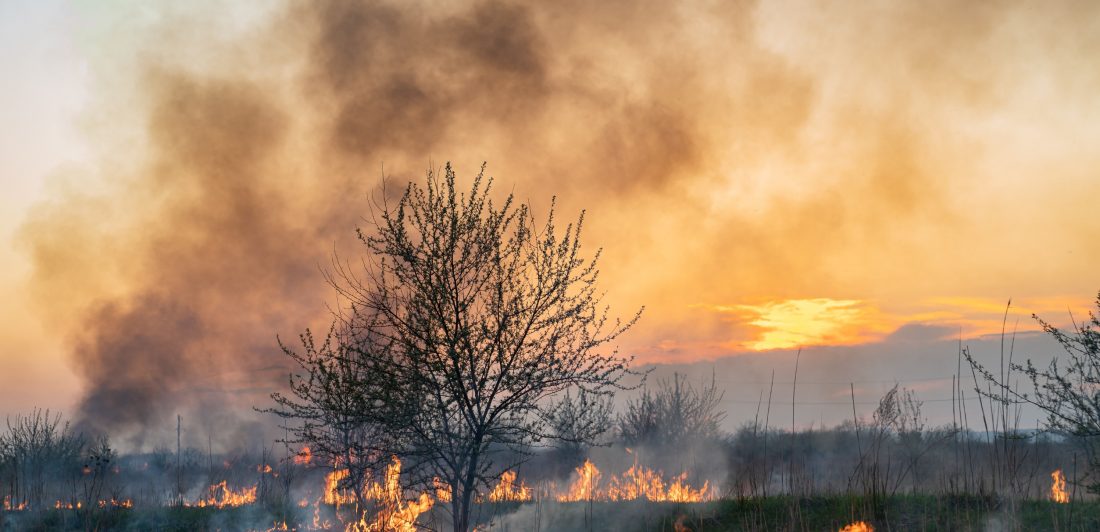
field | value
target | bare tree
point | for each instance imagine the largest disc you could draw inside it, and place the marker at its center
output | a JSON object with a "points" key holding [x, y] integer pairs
{"points": [[475, 318], [37, 453], [338, 403], [579, 420], [676, 412]]}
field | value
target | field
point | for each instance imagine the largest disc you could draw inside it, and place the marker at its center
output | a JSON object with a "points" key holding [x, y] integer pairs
{"points": [[901, 512], [741, 481]]}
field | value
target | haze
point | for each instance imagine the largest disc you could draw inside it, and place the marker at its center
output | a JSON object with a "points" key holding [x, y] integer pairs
{"points": [[762, 176]]}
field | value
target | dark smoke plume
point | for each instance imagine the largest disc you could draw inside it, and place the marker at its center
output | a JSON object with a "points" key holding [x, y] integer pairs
{"points": [[260, 151]]}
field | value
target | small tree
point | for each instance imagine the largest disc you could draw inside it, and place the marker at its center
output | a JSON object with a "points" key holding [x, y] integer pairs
{"points": [[97, 483], [37, 454], [462, 324], [676, 413], [577, 421], [339, 403]]}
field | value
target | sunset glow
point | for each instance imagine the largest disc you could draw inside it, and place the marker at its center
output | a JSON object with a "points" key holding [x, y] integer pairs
{"points": [[477, 265], [781, 189], [806, 322]]}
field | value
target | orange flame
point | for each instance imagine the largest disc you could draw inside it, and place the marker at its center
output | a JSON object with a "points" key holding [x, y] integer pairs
{"points": [[508, 490], [1058, 487], [114, 503], [644, 482], [392, 511], [584, 488], [858, 526], [334, 494], [395, 512], [9, 507], [637, 482], [679, 525], [304, 457], [442, 490], [399, 517], [220, 496], [317, 523]]}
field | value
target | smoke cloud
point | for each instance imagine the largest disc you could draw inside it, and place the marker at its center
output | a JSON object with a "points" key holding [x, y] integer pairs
{"points": [[726, 150]]}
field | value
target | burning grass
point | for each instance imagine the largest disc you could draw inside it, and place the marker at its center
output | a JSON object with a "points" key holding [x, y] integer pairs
{"points": [[858, 526], [1058, 491], [303, 457], [636, 483], [10, 506], [613, 489], [840, 512], [221, 496], [378, 506], [508, 490]]}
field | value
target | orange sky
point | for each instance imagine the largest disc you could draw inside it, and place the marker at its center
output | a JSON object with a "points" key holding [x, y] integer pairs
{"points": [[761, 175]]}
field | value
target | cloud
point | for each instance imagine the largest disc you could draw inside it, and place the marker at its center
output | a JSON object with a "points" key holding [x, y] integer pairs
{"points": [[920, 357], [728, 152], [805, 322]]}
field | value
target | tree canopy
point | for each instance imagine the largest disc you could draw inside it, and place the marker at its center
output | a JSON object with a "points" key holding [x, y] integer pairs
{"points": [[462, 323]]}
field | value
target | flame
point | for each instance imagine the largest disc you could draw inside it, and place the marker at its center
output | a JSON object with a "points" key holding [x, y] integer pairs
{"points": [[317, 523], [391, 511], [401, 516], [680, 491], [858, 526], [392, 487], [507, 490], [442, 490], [1058, 487], [395, 513], [644, 482], [304, 457], [219, 495], [265, 468], [278, 526], [585, 486], [679, 525], [114, 503], [637, 482], [335, 495], [9, 507]]}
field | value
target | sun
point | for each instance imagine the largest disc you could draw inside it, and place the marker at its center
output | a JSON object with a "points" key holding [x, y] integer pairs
{"points": [[805, 322]]}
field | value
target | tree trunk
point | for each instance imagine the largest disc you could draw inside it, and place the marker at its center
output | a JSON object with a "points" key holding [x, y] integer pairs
{"points": [[462, 515]]}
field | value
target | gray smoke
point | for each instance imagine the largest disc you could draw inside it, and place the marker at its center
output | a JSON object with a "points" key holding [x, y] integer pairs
{"points": [[260, 150]]}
